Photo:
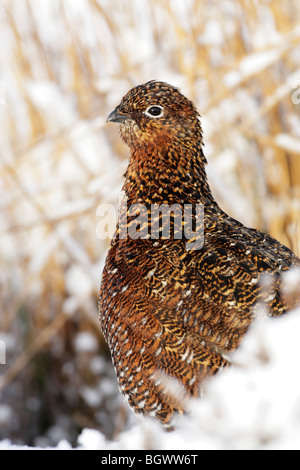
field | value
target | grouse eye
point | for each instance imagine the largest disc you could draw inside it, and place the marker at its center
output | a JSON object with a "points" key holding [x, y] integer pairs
{"points": [[155, 111]]}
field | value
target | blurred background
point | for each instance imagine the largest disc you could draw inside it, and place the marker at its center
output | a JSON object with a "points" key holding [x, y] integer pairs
{"points": [[64, 66]]}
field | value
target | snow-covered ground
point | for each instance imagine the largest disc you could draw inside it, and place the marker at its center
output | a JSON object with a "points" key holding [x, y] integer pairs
{"points": [[253, 405]]}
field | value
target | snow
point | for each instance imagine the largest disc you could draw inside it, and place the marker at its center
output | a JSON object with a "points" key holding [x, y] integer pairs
{"points": [[43, 94], [86, 342], [251, 65], [5, 414], [255, 404], [288, 142]]}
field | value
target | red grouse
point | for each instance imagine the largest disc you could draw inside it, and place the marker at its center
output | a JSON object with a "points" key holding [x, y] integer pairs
{"points": [[169, 307]]}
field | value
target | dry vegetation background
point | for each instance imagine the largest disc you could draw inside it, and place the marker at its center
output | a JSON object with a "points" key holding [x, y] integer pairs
{"points": [[64, 65]]}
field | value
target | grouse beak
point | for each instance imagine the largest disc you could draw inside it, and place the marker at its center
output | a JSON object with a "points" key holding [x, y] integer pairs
{"points": [[115, 116]]}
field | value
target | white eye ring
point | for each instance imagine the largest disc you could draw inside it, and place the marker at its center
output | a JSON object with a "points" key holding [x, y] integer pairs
{"points": [[155, 107]]}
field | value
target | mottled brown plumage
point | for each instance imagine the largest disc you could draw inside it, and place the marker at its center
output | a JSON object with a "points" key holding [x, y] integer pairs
{"points": [[166, 311]]}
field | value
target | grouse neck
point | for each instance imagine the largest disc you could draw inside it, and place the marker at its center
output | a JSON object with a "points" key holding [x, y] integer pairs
{"points": [[172, 176]]}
